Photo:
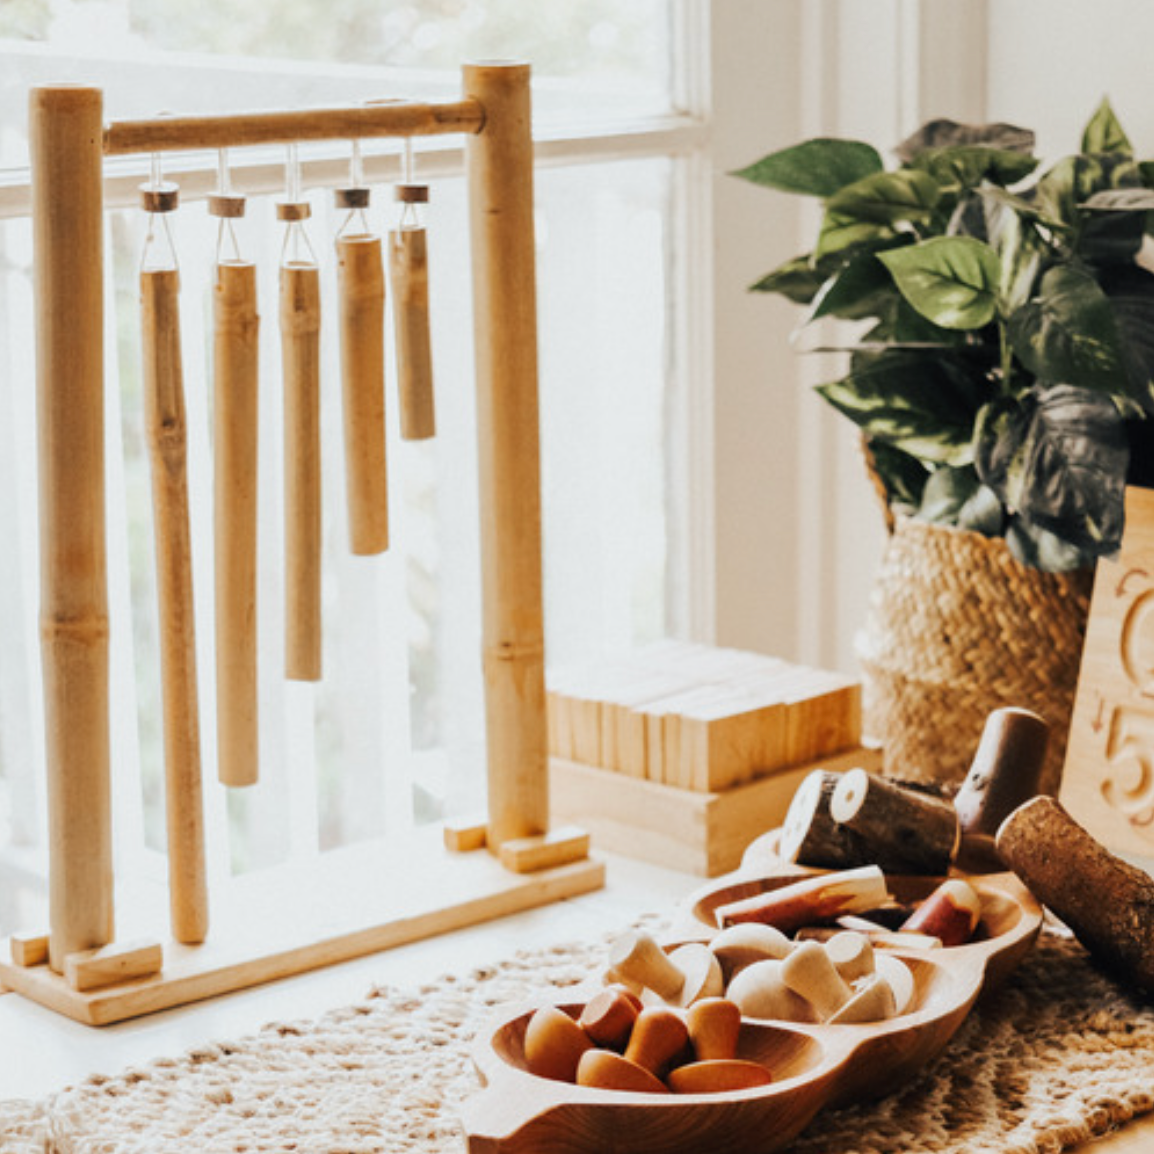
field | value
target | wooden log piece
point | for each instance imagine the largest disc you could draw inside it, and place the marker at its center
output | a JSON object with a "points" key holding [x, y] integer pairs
{"points": [[553, 1044], [361, 292], [235, 407], [300, 326], [809, 834], [901, 830], [409, 280], [1005, 773], [813, 899], [167, 434], [950, 914], [65, 129], [1106, 902]]}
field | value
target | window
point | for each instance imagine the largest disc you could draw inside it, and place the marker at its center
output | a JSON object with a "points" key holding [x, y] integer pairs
{"points": [[393, 735]]}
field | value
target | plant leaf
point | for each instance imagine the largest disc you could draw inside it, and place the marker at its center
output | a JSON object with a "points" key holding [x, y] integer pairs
{"points": [[1040, 549], [966, 166], [797, 280], [951, 280], [943, 133], [957, 497], [1121, 200], [841, 233], [1130, 290], [903, 477], [816, 167], [1104, 134], [1067, 333], [888, 198], [861, 288], [920, 404]]}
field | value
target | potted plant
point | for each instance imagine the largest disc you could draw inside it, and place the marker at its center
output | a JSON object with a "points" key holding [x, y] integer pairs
{"points": [[1001, 375]]}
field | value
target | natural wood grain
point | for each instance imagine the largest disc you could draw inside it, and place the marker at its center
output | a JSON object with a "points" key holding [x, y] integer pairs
{"points": [[300, 326], [235, 438], [1108, 780], [361, 306], [119, 962], [556, 847], [29, 948], [167, 434], [231, 130], [500, 185], [67, 227]]}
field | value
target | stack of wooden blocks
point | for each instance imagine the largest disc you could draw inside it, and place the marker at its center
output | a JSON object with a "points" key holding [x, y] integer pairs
{"points": [[682, 754]]}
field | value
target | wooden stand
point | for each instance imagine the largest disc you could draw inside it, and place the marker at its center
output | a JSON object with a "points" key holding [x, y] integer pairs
{"points": [[345, 903]]}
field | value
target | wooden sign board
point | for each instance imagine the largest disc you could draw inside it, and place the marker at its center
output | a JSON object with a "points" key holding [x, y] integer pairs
{"points": [[1108, 781]]}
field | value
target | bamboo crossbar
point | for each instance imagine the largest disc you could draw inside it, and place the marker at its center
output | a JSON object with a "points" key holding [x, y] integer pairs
{"points": [[234, 130]]}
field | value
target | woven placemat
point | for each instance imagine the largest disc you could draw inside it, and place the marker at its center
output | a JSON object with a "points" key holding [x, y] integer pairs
{"points": [[1060, 1054]]}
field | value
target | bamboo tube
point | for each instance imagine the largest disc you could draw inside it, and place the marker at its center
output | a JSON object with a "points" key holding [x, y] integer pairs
{"points": [[409, 274], [64, 136], [361, 289], [168, 455], [500, 178], [235, 472], [300, 320]]}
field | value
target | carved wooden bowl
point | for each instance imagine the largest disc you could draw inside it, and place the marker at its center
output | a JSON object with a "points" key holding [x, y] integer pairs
{"points": [[813, 1066]]}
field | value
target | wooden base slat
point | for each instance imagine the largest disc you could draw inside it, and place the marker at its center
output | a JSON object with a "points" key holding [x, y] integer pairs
{"points": [[287, 922]]}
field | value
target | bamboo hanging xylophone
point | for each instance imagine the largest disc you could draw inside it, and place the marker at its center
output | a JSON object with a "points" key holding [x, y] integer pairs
{"points": [[69, 141]]}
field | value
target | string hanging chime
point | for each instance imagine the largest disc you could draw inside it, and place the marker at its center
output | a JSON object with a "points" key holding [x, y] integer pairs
{"points": [[235, 406], [300, 325], [361, 305], [409, 277], [167, 436]]}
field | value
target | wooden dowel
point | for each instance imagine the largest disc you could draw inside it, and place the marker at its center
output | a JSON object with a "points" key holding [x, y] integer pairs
{"points": [[164, 134], [168, 456], [235, 330], [64, 139], [361, 290], [300, 320], [500, 179], [409, 277]]}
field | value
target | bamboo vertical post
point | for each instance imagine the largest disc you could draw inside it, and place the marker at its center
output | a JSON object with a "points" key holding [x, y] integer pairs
{"points": [[168, 453], [361, 292], [409, 277], [235, 330], [500, 179], [300, 320], [65, 140]]}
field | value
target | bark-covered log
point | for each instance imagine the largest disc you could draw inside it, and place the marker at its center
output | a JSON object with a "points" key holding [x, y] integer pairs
{"points": [[1106, 902], [810, 836], [901, 830]]}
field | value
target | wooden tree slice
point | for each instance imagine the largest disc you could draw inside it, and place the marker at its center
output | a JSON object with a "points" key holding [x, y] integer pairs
{"points": [[809, 834]]}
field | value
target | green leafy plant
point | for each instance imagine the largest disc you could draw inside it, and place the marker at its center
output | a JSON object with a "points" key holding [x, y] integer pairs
{"points": [[1006, 360]]}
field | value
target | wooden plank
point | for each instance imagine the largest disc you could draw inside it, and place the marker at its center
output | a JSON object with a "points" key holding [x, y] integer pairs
{"points": [[118, 962], [465, 834], [28, 948], [698, 832], [557, 847], [270, 926], [1108, 779]]}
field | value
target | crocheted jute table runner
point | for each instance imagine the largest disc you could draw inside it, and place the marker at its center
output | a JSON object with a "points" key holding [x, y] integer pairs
{"points": [[1058, 1055]]}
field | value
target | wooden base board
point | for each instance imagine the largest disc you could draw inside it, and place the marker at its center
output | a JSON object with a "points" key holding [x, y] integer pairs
{"points": [[700, 833], [348, 903]]}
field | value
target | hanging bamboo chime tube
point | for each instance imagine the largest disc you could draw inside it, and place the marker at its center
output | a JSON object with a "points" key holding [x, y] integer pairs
{"points": [[409, 277], [65, 135], [167, 432], [361, 300], [235, 406], [300, 324], [500, 178]]}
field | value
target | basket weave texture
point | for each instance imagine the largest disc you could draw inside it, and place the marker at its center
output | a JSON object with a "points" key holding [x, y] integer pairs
{"points": [[956, 629]]}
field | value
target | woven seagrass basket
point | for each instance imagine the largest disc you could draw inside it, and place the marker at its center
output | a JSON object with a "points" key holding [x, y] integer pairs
{"points": [[957, 628]]}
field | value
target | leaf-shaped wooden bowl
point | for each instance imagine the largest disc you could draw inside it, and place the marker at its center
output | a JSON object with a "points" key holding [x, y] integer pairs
{"points": [[813, 1066]]}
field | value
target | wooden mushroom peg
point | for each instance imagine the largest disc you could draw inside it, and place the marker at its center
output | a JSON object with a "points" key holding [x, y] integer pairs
{"points": [[608, 1017], [659, 1039], [554, 1044], [809, 972], [714, 1026]]}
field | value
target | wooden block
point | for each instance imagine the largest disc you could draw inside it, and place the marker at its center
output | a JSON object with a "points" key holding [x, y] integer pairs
{"points": [[29, 948], [557, 847], [1108, 783], [465, 834], [698, 832], [92, 969]]}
